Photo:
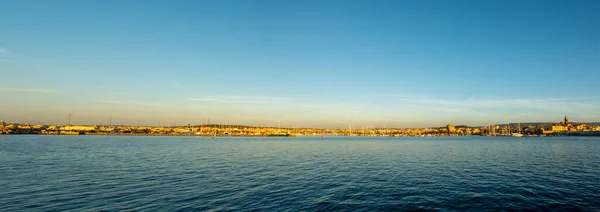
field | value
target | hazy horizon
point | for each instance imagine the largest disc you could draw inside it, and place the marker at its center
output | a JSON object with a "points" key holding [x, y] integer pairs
{"points": [[304, 64]]}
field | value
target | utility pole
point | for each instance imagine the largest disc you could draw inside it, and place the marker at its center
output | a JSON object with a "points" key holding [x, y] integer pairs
{"points": [[70, 118]]}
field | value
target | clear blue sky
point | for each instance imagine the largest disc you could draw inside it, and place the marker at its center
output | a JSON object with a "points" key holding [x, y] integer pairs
{"points": [[307, 63]]}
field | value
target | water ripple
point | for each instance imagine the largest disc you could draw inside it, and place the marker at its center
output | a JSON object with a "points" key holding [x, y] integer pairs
{"points": [[61, 173]]}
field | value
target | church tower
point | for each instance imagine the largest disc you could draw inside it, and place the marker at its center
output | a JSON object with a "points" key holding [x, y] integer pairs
{"points": [[566, 120]]}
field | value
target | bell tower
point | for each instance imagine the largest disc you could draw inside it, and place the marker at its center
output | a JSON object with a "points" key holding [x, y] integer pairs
{"points": [[566, 120]]}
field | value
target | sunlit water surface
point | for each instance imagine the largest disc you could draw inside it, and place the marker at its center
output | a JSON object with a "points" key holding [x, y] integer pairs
{"points": [[93, 173]]}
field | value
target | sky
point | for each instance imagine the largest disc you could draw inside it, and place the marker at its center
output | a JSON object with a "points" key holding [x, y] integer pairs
{"points": [[322, 63]]}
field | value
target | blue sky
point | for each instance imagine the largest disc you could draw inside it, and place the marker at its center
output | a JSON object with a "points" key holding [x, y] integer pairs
{"points": [[307, 63]]}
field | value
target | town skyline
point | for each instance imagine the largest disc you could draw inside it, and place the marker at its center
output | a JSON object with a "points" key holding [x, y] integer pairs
{"points": [[563, 128], [117, 121], [312, 64]]}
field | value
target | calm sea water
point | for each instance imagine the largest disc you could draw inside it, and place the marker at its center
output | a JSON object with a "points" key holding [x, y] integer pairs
{"points": [[62, 173]]}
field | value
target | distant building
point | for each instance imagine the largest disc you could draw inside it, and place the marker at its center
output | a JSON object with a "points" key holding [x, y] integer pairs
{"points": [[560, 128], [563, 126], [451, 129], [77, 128], [581, 127]]}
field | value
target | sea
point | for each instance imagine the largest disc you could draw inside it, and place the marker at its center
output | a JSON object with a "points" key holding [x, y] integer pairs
{"points": [[143, 173]]}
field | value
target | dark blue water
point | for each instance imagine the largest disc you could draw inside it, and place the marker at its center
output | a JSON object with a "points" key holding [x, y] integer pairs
{"points": [[92, 173]]}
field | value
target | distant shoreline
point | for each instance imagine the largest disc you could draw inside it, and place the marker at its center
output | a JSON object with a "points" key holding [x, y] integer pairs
{"points": [[571, 134], [150, 135]]}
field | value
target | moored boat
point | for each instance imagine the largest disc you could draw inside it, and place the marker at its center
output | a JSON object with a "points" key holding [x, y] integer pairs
{"points": [[280, 135]]}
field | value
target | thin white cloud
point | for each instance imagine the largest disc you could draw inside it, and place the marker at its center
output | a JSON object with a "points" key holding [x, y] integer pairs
{"points": [[3, 51], [328, 107], [28, 90], [300, 107], [545, 104], [250, 100], [121, 102], [454, 110], [202, 99]]}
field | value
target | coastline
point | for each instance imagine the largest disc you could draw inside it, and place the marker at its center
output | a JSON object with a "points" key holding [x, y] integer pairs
{"points": [[149, 135], [566, 134]]}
